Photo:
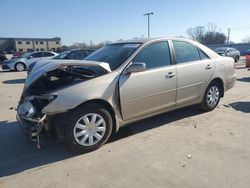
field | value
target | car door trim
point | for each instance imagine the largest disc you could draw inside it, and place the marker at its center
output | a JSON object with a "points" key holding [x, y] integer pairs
{"points": [[192, 85], [146, 96]]}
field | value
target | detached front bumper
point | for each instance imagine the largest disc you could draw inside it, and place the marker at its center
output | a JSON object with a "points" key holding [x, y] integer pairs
{"points": [[29, 129], [30, 123]]}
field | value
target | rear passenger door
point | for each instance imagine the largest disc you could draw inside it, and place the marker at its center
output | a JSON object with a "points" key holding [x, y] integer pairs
{"points": [[194, 70]]}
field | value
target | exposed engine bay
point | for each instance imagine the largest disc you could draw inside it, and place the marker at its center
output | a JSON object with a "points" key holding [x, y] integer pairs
{"points": [[37, 95]]}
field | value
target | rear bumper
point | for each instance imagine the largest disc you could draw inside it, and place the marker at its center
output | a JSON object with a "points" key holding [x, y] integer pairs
{"points": [[230, 83]]}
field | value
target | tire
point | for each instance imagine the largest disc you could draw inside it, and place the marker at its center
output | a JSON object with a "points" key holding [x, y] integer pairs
{"points": [[20, 67], [209, 96], [84, 143], [236, 59]]}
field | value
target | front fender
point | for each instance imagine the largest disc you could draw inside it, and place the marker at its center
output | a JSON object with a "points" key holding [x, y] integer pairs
{"points": [[68, 98]]}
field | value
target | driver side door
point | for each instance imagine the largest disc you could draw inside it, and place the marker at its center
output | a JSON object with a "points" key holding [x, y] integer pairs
{"points": [[152, 90]]}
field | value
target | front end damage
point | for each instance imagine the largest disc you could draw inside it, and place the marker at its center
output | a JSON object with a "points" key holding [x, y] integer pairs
{"points": [[36, 95], [30, 116]]}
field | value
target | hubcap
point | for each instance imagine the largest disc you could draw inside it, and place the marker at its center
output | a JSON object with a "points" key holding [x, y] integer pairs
{"points": [[20, 67], [89, 129], [213, 96]]}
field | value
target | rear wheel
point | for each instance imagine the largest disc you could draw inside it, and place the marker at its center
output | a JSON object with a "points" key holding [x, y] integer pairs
{"points": [[211, 97], [89, 127], [20, 67]]}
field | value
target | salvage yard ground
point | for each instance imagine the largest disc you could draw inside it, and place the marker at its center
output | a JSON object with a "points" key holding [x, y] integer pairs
{"points": [[183, 148]]}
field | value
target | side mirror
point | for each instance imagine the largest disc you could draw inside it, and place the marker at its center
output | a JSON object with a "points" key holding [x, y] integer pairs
{"points": [[136, 67], [30, 57]]}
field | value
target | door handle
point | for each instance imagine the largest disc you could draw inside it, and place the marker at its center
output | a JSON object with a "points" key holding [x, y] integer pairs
{"points": [[170, 75], [209, 66]]}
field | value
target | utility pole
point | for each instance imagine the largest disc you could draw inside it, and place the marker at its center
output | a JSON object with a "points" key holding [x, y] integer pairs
{"points": [[148, 14], [228, 35]]}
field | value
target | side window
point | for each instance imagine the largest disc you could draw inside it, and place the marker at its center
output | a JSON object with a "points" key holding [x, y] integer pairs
{"points": [[185, 52], [37, 55], [80, 54], [154, 55], [47, 54], [71, 55]]}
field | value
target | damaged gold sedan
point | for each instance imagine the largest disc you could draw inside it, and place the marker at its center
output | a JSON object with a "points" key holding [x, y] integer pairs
{"points": [[85, 101]]}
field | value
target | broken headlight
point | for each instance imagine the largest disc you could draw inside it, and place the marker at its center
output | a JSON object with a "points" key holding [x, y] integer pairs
{"points": [[33, 105]]}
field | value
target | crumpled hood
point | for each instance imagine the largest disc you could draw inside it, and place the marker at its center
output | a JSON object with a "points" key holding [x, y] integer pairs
{"points": [[44, 66]]}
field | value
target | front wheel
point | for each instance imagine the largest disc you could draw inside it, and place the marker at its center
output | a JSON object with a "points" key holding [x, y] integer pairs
{"points": [[211, 97], [89, 127], [19, 67]]}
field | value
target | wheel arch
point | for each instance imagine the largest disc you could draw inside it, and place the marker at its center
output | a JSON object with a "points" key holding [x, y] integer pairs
{"points": [[25, 67], [108, 107], [221, 83]]}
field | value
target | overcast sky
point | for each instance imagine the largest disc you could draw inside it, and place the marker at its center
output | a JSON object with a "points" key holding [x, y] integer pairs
{"points": [[102, 20]]}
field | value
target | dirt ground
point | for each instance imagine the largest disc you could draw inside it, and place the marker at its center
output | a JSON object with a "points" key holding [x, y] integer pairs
{"points": [[183, 148]]}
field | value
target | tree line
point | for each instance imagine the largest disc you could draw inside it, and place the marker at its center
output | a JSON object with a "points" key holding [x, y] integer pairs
{"points": [[207, 35]]}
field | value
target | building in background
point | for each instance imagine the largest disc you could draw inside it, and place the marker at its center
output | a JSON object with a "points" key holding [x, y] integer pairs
{"points": [[11, 45]]}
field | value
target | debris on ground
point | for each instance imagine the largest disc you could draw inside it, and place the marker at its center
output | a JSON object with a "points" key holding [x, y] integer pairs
{"points": [[189, 156], [226, 105]]}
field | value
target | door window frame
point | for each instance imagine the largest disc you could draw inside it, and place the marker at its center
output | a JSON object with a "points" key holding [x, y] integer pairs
{"points": [[198, 48], [171, 55]]}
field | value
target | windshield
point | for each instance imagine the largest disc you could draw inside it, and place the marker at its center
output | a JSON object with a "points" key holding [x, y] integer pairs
{"points": [[62, 55], [113, 54]]}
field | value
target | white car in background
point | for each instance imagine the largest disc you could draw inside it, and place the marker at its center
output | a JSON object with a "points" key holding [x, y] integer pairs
{"points": [[22, 63], [229, 52]]}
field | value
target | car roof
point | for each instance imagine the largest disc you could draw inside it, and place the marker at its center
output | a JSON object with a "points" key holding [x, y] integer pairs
{"points": [[42, 51], [85, 49], [145, 40]]}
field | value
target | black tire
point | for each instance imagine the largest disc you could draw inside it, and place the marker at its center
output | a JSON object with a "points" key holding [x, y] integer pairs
{"points": [[18, 65], [204, 105], [71, 142], [236, 59]]}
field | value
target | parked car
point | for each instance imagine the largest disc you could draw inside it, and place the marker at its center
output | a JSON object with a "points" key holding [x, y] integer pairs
{"points": [[85, 101], [229, 52], [69, 54], [79, 54], [3, 57], [22, 63]]}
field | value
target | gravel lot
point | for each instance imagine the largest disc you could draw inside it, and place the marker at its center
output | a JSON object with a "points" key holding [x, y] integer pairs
{"points": [[183, 148]]}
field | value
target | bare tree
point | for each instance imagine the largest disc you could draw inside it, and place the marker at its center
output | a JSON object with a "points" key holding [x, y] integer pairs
{"points": [[214, 37], [180, 36], [211, 27], [207, 35], [196, 33]]}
